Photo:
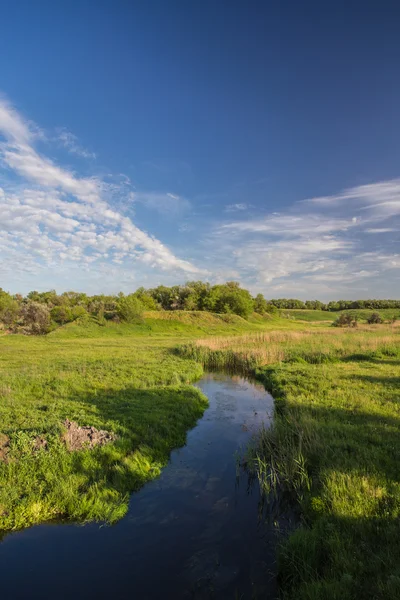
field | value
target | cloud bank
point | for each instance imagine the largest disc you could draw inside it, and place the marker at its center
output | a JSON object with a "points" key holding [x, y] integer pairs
{"points": [[50, 217], [345, 244]]}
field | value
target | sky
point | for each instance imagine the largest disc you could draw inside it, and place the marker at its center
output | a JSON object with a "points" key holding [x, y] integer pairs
{"points": [[147, 143]]}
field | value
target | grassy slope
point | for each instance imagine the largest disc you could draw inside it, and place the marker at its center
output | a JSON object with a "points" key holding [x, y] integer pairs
{"points": [[123, 378], [333, 451]]}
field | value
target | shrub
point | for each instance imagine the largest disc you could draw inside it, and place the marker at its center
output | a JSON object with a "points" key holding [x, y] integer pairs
{"points": [[374, 319], [66, 314], [230, 298], [79, 312], [8, 308], [130, 309], [61, 314], [346, 320], [35, 318]]}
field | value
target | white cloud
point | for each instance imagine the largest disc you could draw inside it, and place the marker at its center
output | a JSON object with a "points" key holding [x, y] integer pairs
{"points": [[321, 245], [381, 230], [71, 143], [283, 225], [379, 200], [50, 214]]}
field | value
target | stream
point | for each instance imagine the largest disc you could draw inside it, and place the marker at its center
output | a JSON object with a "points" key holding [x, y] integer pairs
{"points": [[193, 533]]}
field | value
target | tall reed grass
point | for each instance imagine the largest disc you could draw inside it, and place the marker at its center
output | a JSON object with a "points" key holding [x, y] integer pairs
{"points": [[247, 352]]}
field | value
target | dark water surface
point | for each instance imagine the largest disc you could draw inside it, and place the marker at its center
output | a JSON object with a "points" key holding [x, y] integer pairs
{"points": [[192, 533]]}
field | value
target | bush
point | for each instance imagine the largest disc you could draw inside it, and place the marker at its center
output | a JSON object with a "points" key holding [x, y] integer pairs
{"points": [[35, 318], [8, 308], [65, 314], [61, 315], [130, 309], [230, 298], [375, 318], [346, 320]]}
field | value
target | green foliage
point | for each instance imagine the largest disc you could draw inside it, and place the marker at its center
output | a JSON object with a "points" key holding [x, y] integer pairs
{"points": [[9, 308], [61, 314], [230, 298], [260, 304], [146, 299], [130, 309]]}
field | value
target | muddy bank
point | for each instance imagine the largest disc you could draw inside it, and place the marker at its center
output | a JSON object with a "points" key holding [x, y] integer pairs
{"points": [[77, 438]]}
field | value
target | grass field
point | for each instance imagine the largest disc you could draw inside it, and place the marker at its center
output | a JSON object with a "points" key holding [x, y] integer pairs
{"points": [[332, 452], [121, 378], [314, 316]]}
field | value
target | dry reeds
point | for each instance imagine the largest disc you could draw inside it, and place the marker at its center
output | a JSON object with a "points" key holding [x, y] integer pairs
{"points": [[252, 350]]}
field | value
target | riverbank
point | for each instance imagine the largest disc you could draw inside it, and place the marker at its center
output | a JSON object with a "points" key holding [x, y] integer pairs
{"points": [[332, 448], [333, 451], [196, 526], [122, 379]]}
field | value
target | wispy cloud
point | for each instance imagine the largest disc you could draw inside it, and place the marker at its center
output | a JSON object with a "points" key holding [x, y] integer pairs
{"points": [[70, 141], [323, 246], [379, 200], [239, 206], [167, 204], [50, 215]]}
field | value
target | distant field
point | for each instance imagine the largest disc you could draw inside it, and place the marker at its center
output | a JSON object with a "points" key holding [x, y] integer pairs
{"points": [[323, 315], [308, 315]]}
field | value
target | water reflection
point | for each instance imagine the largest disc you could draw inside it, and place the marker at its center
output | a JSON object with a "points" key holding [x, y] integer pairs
{"points": [[192, 533]]}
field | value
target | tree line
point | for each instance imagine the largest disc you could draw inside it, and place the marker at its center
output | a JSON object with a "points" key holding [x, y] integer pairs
{"points": [[39, 312]]}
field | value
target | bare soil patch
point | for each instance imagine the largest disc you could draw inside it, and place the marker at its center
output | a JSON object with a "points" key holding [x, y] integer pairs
{"points": [[4, 446], [40, 443], [79, 438]]}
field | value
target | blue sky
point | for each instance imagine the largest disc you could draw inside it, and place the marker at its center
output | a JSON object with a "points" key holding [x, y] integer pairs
{"points": [[158, 142]]}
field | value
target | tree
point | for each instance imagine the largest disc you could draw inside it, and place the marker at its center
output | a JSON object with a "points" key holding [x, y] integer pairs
{"points": [[146, 299], [230, 298], [130, 309], [260, 304], [9, 308], [163, 296]]}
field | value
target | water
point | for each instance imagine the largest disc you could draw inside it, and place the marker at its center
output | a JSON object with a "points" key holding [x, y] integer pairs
{"points": [[194, 533]]}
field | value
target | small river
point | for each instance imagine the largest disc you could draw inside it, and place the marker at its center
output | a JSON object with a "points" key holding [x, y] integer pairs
{"points": [[193, 533]]}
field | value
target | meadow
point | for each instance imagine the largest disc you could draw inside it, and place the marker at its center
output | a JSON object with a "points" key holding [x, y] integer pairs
{"points": [[331, 454], [122, 378]]}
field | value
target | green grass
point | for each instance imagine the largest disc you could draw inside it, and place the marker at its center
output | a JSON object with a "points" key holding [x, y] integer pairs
{"points": [[308, 315], [332, 454], [122, 378], [131, 385], [335, 448], [323, 315], [332, 450]]}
